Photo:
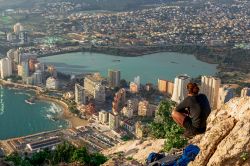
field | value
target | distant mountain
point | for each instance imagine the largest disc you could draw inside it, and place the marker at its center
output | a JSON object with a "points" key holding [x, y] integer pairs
{"points": [[5, 4], [122, 4]]}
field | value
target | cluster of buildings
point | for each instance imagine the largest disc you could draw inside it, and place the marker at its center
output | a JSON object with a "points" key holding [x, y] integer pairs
{"points": [[157, 26], [128, 108], [123, 109], [91, 93], [164, 24], [209, 24], [26, 69], [128, 115], [19, 35]]}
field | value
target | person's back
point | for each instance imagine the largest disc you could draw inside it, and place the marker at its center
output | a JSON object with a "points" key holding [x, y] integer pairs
{"points": [[205, 108], [193, 111]]}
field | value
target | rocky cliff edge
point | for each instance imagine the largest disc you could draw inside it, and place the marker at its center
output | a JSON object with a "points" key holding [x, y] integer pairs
{"points": [[227, 139], [225, 143]]}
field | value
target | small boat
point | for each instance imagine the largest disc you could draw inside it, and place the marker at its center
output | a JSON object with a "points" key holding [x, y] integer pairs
{"points": [[174, 62], [116, 60], [30, 101]]}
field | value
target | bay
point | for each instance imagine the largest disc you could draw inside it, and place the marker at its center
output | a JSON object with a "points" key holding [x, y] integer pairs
{"points": [[17, 118]]}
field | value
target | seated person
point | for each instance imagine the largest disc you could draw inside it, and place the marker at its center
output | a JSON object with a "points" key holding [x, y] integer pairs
{"points": [[192, 112]]}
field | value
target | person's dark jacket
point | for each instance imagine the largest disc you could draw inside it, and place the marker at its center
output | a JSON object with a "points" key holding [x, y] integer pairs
{"points": [[197, 107]]}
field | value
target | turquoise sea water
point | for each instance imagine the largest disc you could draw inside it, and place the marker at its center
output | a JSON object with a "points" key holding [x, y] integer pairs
{"points": [[18, 118], [164, 65]]}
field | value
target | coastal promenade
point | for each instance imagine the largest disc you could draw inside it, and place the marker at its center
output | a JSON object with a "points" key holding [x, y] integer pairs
{"points": [[37, 89]]}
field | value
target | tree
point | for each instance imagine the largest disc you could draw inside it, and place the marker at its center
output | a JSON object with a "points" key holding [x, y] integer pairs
{"points": [[163, 114], [97, 159], [40, 157], [164, 127], [174, 138], [157, 130], [63, 153], [15, 158], [81, 155]]}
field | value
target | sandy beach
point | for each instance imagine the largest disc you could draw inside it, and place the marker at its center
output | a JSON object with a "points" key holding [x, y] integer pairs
{"points": [[74, 121]]}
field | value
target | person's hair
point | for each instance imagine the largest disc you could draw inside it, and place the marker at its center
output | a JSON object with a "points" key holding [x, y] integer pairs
{"points": [[193, 88]]}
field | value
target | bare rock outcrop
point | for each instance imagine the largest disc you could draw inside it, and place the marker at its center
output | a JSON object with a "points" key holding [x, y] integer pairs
{"points": [[225, 143], [137, 149], [212, 138], [227, 139]]}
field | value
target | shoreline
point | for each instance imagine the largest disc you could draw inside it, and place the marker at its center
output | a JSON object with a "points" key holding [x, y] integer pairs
{"points": [[65, 114]]}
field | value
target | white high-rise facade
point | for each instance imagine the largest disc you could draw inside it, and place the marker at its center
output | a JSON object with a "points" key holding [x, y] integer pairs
{"points": [[18, 28], [225, 94], [137, 80], [25, 70], [114, 78], [37, 77], [210, 87], [113, 121], [99, 93], [79, 94], [180, 88], [5, 67], [103, 117], [93, 85], [9, 37]]}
